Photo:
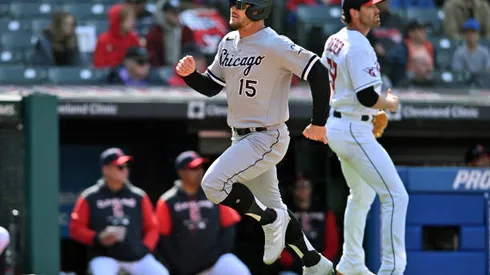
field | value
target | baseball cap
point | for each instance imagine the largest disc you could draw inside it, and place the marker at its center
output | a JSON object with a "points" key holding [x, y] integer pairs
{"points": [[357, 4], [189, 159], [471, 25], [114, 156], [137, 52], [475, 152]]}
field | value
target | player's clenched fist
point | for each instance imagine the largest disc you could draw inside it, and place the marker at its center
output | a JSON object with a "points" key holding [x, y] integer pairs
{"points": [[317, 133], [186, 66], [393, 100]]}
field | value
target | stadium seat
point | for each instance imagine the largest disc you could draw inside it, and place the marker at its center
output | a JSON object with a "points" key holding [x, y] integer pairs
{"points": [[309, 17], [18, 40], [73, 76], [4, 9], [445, 49], [431, 16], [19, 75], [31, 10], [13, 25], [453, 79], [39, 25], [11, 57], [486, 43], [100, 25], [332, 26], [87, 11]]}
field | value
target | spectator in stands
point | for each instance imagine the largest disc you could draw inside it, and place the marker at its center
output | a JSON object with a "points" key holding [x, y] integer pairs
{"points": [[197, 235], [477, 156], [168, 36], [144, 18], [136, 71], [112, 45], [421, 75], [319, 226], [388, 35], [458, 11], [57, 45], [414, 48], [471, 57]]}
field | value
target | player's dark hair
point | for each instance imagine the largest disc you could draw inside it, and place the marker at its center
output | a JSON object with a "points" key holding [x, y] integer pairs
{"points": [[346, 18]]}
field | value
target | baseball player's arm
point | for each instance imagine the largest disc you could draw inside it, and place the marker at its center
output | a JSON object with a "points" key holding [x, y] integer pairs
{"points": [[320, 92], [164, 218], [203, 83], [80, 217], [331, 246], [165, 227], [150, 224], [305, 64], [365, 76], [228, 218]]}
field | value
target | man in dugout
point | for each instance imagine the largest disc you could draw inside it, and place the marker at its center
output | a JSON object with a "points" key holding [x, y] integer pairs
{"points": [[197, 235], [116, 221]]}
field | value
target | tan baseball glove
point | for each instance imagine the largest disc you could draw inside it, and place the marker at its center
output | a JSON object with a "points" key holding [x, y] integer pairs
{"points": [[380, 122]]}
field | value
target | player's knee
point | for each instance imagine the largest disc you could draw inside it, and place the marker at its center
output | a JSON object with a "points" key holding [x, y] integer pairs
{"points": [[210, 186], [401, 198]]}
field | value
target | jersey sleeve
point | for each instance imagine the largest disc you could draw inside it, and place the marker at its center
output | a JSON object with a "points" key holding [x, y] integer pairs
{"points": [[295, 58], [215, 71], [363, 70]]}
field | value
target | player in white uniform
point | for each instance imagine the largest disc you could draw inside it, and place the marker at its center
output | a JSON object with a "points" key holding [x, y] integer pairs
{"points": [[255, 65], [368, 169]]}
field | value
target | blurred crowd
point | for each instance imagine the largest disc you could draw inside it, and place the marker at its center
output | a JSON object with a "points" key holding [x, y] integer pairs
{"points": [[182, 232], [420, 43]]}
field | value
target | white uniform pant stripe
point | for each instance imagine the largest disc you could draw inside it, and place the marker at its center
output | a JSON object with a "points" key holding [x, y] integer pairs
{"points": [[369, 170], [389, 192], [251, 165], [250, 160]]}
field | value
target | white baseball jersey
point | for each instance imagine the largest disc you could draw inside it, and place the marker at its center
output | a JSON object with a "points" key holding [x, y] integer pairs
{"points": [[256, 72], [353, 66]]}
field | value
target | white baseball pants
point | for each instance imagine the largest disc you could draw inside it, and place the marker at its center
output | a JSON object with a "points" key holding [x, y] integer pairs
{"points": [[368, 169], [4, 239], [109, 266], [227, 264], [250, 160]]}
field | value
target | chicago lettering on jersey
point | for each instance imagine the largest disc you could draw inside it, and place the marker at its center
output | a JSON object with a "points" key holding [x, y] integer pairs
{"points": [[335, 46], [229, 60]]}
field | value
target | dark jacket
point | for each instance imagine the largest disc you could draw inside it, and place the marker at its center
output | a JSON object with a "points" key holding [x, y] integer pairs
{"points": [[43, 54], [119, 76], [98, 207], [195, 231]]}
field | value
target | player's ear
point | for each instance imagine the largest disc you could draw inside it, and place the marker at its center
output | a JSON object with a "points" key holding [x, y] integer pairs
{"points": [[354, 13]]}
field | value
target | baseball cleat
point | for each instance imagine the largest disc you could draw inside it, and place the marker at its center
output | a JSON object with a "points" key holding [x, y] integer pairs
{"points": [[275, 236], [323, 267]]}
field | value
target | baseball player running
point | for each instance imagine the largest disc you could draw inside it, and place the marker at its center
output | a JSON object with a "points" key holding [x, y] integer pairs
{"points": [[255, 65], [368, 169]]}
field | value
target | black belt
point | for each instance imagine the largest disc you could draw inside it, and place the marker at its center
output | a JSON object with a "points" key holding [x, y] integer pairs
{"points": [[339, 115], [246, 131]]}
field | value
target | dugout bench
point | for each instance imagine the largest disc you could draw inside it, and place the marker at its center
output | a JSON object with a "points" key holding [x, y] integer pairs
{"points": [[447, 227]]}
